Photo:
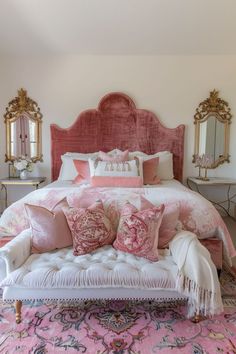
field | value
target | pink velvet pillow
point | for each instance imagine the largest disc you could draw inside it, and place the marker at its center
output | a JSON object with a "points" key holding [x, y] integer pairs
{"points": [[168, 228], [150, 171], [49, 228], [120, 157], [138, 231], [90, 228], [107, 181], [83, 170]]}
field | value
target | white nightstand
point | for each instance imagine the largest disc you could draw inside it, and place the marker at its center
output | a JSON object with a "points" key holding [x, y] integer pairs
{"points": [[34, 181], [230, 197]]}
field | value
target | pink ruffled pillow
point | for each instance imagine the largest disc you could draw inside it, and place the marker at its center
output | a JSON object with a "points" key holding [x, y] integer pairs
{"points": [[120, 157], [169, 224], [49, 227], [138, 231], [90, 228], [150, 171], [83, 170]]}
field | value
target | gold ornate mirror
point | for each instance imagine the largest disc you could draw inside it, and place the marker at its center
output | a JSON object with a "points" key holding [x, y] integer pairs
{"points": [[212, 119], [23, 128]]}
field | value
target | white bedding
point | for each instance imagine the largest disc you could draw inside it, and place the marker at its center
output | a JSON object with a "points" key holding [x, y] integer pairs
{"points": [[108, 268], [173, 183]]}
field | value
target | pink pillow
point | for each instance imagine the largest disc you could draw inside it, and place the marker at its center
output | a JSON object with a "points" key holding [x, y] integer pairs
{"points": [[138, 231], [150, 171], [83, 170], [107, 181], [49, 228], [90, 228], [168, 228], [120, 157]]}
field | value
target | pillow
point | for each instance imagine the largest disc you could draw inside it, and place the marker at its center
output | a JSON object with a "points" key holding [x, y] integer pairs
{"points": [[116, 174], [82, 168], [165, 167], [68, 170], [170, 222], [49, 227], [138, 231], [90, 228], [103, 181], [150, 168], [118, 157], [114, 169]]}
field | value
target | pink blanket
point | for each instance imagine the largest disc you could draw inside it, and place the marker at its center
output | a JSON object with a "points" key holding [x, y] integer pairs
{"points": [[196, 213]]}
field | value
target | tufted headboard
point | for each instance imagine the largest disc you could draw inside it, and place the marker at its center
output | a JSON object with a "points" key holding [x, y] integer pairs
{"points": [[117, 123]]}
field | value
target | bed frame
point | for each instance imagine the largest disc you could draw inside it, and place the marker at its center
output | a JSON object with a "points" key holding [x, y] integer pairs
{"points": [[117, 123]]}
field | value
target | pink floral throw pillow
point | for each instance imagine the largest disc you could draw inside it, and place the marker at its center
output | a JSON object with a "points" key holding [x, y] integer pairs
{"points": [[90, 228], [138, 231]]}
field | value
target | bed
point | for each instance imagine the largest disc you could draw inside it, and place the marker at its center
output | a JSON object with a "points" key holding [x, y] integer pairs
{"points": [[184, 266]]}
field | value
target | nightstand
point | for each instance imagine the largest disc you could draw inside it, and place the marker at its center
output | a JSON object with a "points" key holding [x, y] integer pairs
{"points": [[230, 196], [34, 181]]}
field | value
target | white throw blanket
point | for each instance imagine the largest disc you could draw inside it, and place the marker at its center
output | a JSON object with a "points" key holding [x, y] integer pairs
{"points": [[197, 276]]}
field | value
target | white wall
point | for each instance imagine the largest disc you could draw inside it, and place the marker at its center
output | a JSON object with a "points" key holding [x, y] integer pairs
{"points": [[170, 86]]}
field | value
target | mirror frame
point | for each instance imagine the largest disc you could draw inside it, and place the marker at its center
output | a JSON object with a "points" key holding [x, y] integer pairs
{"points": [[22, 104], [213, 106]]}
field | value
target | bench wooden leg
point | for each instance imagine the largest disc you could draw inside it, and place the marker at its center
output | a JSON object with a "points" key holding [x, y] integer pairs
{"points": [[196, 319], [18, 305]]}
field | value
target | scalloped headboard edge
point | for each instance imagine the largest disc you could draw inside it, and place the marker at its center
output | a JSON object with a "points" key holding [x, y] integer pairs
{"points": [[117, 123]]}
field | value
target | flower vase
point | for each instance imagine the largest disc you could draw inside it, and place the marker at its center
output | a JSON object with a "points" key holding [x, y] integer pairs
{"points": [[23, 174]]}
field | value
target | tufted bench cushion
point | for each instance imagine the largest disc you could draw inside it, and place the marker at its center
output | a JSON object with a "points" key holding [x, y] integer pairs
{"points": [[105, 267]]}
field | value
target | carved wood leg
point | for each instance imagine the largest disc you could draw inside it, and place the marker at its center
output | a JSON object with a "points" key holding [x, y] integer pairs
{"points": [[18, 305], [196, 319]]}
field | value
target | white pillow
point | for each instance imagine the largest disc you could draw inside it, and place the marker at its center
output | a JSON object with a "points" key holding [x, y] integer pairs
{"points": [[165, 167], [68, 170], [114, 169]]}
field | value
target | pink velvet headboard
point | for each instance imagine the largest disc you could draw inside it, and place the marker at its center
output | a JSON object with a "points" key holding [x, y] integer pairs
{"points": [[117, 123]]}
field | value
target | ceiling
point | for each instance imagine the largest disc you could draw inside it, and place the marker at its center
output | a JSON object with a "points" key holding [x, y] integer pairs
{"points": [[117, 27]]}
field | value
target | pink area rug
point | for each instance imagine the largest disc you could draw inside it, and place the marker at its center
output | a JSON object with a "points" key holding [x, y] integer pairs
{"points": [[119, 327], [116, 327]]}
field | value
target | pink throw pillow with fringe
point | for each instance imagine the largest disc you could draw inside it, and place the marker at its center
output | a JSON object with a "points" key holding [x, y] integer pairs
{"points": [[83, 170], [49, 227], [120, 157], [170, 221], [150, 171], [138, 231], [90, 228]]}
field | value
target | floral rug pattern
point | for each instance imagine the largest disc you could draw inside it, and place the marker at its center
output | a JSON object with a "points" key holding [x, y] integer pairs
{"points": [[119, 327], [114, 327]]}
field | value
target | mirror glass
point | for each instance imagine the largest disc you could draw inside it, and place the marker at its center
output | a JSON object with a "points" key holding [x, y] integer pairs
{"points": [[211, 138], [212, 121], [23, 129]]}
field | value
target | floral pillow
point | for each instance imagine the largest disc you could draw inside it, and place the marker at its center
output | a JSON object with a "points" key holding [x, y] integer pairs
{"points": [[138, 231], [90, 228]]}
